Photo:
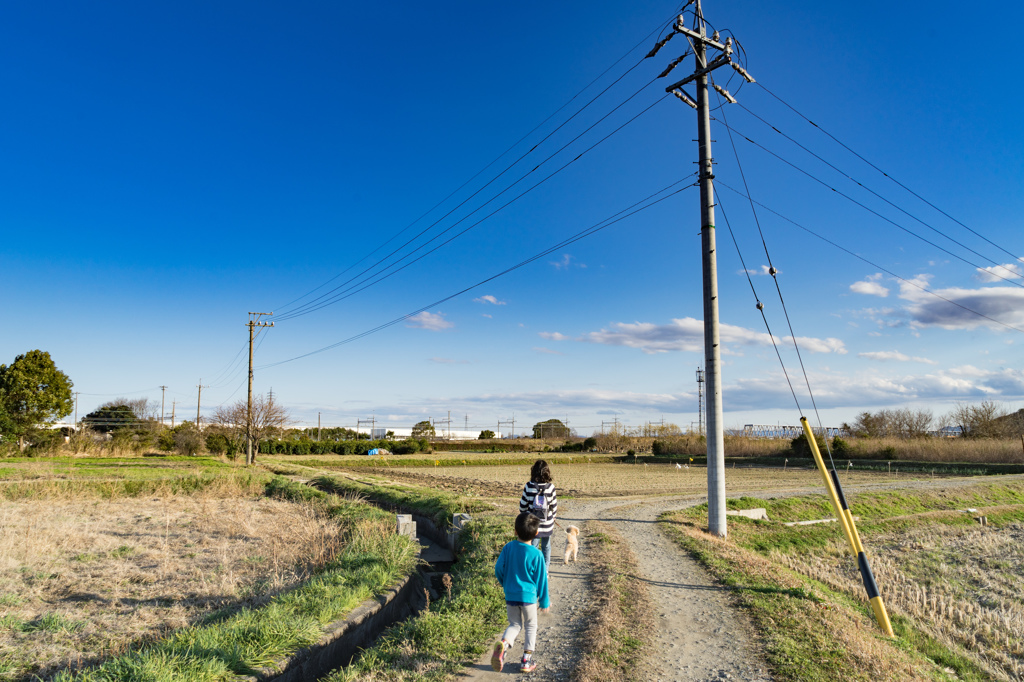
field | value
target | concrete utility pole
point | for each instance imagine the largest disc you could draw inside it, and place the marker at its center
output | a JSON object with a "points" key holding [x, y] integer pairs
{"points": [[254, 321], [163, 394], [173, 404], [703, 68], [199, 400], [700, 401], [77, 393]]}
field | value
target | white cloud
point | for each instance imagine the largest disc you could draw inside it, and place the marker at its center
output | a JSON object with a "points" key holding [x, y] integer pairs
{"points": [[870, 287], [565, 263], [814, 345], [449, 361], [431, 321], [687, 334], [959, 308], [999, 273], [762, 270], [489, 317], [488, 299], [546, 351], [884, 355], [553, 336]]}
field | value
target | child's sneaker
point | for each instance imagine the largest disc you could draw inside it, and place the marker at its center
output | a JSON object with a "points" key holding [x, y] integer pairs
{"points": [[498, 656], [528, 665]]}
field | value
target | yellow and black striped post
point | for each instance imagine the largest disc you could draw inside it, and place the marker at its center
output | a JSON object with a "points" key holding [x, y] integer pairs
{"points": [[845, 517]]}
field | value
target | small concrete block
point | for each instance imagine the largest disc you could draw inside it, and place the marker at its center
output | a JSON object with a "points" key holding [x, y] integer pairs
{"points": [[459, 521], [405, 525], [759, 514]]}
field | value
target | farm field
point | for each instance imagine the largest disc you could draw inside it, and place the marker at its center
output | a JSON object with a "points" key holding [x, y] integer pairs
{"points": [[604, 480], [952, 586], [114, 567]]}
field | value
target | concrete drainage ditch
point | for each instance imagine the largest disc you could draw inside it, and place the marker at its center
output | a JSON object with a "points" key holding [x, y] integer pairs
{"points": [[344, 639]]}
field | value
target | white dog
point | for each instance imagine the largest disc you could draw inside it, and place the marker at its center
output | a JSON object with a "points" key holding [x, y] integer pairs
{"points": [[572, 543]]}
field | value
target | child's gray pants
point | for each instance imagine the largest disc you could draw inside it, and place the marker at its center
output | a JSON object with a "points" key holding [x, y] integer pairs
{"points": [[519, 618]]}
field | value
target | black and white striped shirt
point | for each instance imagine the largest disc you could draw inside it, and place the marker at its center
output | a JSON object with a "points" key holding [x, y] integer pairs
{"points": [[530, 491]]}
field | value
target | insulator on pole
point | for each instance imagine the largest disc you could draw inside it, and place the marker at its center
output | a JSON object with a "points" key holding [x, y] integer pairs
{"points": [[683, 96], [724, 93], [660, 44], [743, 72], [673, 64]]}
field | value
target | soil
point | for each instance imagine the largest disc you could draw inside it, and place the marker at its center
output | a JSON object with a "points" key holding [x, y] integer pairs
{"points": [[699, 636]]}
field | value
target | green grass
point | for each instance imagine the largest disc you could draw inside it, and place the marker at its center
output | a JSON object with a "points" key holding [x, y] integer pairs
{"points": [[48, 622], [428, 502], [802, 619], [244, 641], [134, 482], [440, 642]]}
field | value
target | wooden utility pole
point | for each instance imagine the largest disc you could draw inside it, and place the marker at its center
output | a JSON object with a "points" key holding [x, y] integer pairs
{"points": [[198, 401], [700, 41], [254, 321], [173, 403]]}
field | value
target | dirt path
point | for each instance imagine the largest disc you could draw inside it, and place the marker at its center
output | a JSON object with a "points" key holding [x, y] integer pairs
{"points": [[700, 635]]}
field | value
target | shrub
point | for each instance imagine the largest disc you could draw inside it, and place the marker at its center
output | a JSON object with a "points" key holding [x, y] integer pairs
{"points": [[217, 443], [801, 448], [841, 447], [188, 441], [590, 444]]}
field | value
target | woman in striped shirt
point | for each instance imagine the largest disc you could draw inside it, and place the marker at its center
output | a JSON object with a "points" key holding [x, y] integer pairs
{"points": [[539, 499]]}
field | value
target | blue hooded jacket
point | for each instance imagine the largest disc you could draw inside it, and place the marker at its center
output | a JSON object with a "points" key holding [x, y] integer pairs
{"points": [[523, 574]]}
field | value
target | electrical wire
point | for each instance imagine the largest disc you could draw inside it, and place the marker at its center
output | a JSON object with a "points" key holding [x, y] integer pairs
{"points": [[760, 306], [912, 283], [369, 281], [915, 194], [517, 143], [869, 209], [597, 227], [772, 271], [876, 194]]}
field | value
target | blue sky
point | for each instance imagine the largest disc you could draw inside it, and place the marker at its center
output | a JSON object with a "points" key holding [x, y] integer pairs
{"points": [[169, 167]]}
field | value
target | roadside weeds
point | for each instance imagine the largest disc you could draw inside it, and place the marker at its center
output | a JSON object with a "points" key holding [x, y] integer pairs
{"points": [[621, 620]]}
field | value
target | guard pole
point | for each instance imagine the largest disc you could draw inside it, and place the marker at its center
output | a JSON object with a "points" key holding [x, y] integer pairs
{"points": [[835, 492], [877, 604], [840, 516]]}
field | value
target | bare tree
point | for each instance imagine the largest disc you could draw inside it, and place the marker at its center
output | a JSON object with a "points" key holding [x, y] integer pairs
{"points": [[267, 416], [985, 420], [143, 409]]}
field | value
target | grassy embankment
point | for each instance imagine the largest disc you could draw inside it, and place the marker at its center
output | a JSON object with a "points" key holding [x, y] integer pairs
{"points": [[621, 616], [361, 558], [952, 587], [455, 630]]}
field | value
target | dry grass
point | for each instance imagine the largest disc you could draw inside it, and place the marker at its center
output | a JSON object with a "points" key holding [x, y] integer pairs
{"points": [[806, 637], [609, 480], [621, 619], [83, 579], [960, 584], [986, 450]]}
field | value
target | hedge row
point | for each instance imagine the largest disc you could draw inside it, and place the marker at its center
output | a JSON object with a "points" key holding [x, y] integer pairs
{"points": [[408, 446]]}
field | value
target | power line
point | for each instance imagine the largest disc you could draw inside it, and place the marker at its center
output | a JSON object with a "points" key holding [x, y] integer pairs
{"points": [[380, 276], [367, 283], [872, 263], [286, 312], [844, 146], [867, 208], [597, 227], [876, 194]]}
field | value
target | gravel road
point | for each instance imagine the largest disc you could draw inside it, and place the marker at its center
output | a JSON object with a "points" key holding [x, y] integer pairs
{"points": [[700, 635]]}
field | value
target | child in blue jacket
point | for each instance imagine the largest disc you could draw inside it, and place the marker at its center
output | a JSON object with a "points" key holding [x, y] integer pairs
{"points": [[523, 574]]}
